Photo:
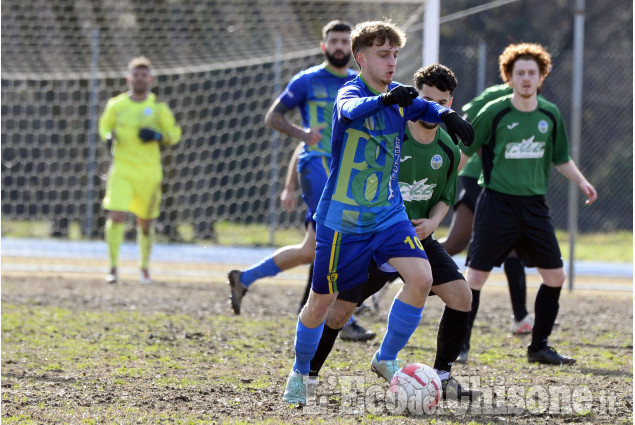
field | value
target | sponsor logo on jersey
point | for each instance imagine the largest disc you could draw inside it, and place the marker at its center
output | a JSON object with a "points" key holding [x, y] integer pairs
{"points": [[395, 168], [512, 125], [525, 149], [147, 111], [417, 191], [436, 162], [405, 158], [543, 127]]}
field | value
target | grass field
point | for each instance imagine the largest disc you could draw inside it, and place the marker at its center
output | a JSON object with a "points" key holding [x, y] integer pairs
{"points": [[78, 351], [607, 247]]}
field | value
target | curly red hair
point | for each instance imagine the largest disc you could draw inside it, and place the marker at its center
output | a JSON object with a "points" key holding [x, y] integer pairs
{"points": [[527, 51]]}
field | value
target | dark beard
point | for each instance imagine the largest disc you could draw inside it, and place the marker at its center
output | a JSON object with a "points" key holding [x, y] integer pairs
{"points": [[337, 62]]}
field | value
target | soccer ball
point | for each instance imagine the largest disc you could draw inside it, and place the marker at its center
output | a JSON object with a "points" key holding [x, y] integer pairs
{"points": [[417, 387]]}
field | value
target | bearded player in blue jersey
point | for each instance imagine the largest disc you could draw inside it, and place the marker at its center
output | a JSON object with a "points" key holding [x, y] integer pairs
{"points": [[361, 216]]}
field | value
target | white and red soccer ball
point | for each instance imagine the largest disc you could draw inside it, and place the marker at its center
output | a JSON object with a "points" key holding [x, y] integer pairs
{"points": [[417, 387]]}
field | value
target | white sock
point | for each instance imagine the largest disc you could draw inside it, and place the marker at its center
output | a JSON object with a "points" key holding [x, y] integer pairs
{"points": [[443, 374]]}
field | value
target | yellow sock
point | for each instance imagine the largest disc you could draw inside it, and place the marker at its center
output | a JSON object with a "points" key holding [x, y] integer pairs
{"points": [[145, 246], [114, 237]]}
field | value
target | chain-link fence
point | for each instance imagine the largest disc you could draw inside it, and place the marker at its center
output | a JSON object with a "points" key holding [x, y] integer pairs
{"points": [[226, 167]]}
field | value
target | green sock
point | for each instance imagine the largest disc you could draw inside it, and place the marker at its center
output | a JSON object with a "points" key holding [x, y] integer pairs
{"points": [[145, 246], [114, 238]]}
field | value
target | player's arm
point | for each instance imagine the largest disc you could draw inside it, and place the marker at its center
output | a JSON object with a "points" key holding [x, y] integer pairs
{"points": [[107, 122], [425, 226], [571, 172], [277, 120], [287, 197], [464, 159], [107, 125], [170, 131]]}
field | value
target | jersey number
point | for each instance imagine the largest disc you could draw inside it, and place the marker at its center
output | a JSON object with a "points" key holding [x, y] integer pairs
{"points": [[417, 242]]}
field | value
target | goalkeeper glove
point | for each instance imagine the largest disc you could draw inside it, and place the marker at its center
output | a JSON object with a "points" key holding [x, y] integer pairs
{"points": [[457, 126], [149, 135], [400, 95]]}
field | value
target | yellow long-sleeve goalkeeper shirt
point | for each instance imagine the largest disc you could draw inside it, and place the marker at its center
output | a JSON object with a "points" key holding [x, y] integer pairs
{"points": [[124, 117]]}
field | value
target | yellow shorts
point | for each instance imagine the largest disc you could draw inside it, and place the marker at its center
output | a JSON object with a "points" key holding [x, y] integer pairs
{"points": [[139, 196]]}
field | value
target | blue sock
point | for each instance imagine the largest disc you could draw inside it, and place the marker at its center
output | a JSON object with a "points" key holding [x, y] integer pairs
{"points": [[306, 342], [351, 320], [266, 267], [403, 319]]}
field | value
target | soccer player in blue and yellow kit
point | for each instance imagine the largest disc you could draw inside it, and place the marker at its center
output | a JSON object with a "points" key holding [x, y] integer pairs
{"points": [[313, 92], [361, 216], [519, 136], [428, 183], [135, 124]]}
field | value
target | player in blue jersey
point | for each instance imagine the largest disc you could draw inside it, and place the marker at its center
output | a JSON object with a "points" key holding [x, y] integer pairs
{"points": [[361, 216], [428, 182], [313, 92]]}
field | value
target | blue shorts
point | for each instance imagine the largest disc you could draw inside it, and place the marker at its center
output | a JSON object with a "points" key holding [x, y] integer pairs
{"points": [[342, 259], [313, 176]]}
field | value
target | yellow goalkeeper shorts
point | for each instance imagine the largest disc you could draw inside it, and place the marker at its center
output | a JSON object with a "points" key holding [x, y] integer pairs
{"points": [[138, 196]]}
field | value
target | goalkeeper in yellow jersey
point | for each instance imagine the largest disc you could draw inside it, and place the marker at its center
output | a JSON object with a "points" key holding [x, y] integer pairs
{"points": [[135, 125]]}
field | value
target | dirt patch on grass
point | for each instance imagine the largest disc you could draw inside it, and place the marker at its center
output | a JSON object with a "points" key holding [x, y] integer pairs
{"points": [[78, 350]]}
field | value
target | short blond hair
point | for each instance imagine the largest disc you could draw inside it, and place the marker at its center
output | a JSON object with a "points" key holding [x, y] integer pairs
{"points": [[367, 34], [139, 62]]}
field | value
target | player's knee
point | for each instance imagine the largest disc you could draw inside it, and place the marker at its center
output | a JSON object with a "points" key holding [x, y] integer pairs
{"points": [[462, 301], [339, 313], [307, 254], [556, 280], [423, 283]]}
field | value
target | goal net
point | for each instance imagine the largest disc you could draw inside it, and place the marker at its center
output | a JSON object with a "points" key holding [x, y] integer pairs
{"points": [[219, 65]]}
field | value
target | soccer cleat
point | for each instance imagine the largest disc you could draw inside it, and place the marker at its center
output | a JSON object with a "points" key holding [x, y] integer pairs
{"points": [[548, 356], [295, 391], [144, 277], [311, 389], [238, 290], [525, 326], [354, 332], [112, 277], [361, 309], [463, 355], [453, 390], [385, 369]]}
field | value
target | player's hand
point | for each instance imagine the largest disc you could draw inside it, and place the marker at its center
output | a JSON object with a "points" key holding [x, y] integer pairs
{"points": [[400, 95], [149, 135], [458, 128], [590, 192], [424, 227], [312, 136], [287, 198]]}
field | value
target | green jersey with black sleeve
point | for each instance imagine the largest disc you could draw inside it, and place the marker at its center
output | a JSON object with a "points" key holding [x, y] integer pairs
{"points": [[428, 173], [473, 166], [518, 148]]}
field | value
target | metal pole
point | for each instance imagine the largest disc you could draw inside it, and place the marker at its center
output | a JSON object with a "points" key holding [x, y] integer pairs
{"points": [[576, 129], [275, 139], [482, 67], [431, 18], [92, 133]]}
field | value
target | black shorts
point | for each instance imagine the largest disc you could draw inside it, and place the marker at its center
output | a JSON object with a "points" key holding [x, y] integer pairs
{"points": [[444, 270], [469, 192], [505, 222]]}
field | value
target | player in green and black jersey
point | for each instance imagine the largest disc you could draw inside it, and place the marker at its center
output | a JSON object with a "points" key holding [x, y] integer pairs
{"points": [[519, 136]]}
